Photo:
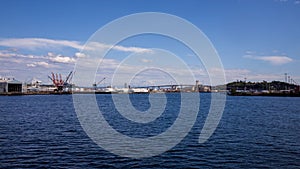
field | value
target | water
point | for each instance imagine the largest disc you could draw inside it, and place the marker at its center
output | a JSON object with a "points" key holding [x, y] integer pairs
{"points": [[254, 132]]}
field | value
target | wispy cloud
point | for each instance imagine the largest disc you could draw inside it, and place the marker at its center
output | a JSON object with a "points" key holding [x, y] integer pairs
{"points": [[131, 49], [43, 43], [36, 43], [5, 54], [274, 60], [42, 64], [103, 46]]}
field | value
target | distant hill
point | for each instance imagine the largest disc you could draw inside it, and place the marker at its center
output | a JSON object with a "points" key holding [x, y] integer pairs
{"points": [[272, 87]]}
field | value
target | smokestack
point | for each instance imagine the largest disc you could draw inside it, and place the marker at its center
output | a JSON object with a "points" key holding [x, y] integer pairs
{"points": [[197, 86]]}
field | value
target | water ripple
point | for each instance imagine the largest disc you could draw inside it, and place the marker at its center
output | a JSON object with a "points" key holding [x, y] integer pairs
{"points": [[255, 132]]}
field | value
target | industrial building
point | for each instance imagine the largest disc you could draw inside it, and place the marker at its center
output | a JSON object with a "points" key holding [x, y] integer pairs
{"points": [[10, 85]]}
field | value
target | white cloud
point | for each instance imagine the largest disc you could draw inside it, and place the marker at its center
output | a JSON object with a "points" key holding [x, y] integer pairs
{"points": [[9, 54], [60, 59], [50, 56], [38, 43], [34, 43], [277, 60], [131, 49], [31, 65], [102, 46], [79, 55], [42, 64], [274, 60]]}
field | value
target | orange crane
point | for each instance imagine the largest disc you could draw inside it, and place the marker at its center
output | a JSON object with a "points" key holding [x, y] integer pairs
{"points": [[58, 82]]}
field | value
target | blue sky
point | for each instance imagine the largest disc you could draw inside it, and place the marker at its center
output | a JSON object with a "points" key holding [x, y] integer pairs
{"points": [[257, 40]]}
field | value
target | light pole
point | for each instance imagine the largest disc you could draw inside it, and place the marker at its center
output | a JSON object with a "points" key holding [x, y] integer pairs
{"points": [[245, 87]]}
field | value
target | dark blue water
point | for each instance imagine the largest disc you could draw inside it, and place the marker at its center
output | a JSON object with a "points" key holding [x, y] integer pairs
{"points": [[254, 132]]}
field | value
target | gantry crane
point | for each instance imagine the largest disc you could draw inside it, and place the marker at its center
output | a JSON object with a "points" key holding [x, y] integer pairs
{"points": [[58, 82]]}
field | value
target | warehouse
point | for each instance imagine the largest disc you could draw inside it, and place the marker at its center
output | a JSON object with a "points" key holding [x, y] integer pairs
{"points": [[10, 85]]}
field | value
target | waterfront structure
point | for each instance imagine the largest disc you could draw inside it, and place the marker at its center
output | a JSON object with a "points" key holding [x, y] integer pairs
{"points": [[10, 85]]}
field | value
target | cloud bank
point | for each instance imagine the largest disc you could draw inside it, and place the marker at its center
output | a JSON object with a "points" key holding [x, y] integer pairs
{"points": [[274, 60], [42, 55]]}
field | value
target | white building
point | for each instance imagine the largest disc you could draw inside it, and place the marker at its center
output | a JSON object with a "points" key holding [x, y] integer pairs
{"points": [[10, 85]]}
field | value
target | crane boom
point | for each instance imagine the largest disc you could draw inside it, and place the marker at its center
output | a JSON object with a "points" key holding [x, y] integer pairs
{"points": [[68, 77], [50, 78], [101, 80], [95, 84]]}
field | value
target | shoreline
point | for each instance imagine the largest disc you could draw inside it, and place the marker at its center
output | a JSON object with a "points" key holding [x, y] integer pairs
{"points": [[90, 92], [266, 94]]}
